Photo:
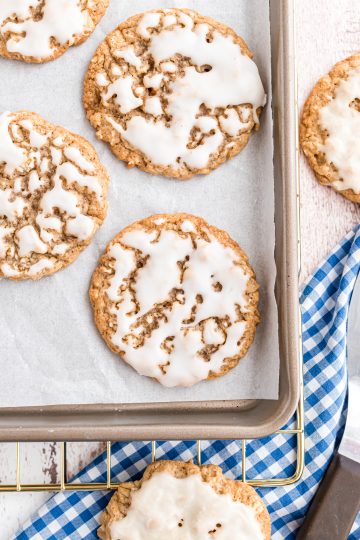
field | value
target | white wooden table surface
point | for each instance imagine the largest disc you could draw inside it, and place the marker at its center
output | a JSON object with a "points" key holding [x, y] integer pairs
{"points": [[327, 31]]}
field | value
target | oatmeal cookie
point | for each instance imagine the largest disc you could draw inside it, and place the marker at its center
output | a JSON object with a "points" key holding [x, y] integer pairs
{"points": [[330, 128], [52, 196], [173, 92], [181, 500], [176, 298]]}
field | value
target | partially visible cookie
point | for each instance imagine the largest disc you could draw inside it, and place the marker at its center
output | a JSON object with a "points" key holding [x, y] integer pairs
{"points": [[176, 500], [173, 92], [176, 298], [52, 196], [330, 128], [41, 30]]}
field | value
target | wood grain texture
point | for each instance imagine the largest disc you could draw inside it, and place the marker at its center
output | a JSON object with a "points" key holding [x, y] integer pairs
{"points": [[326, 33]]}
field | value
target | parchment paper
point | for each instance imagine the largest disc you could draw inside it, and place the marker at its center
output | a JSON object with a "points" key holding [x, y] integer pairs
{"points": [[50, 350]]}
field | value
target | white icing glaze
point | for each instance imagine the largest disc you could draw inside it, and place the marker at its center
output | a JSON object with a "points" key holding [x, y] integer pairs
{"points": [[34, 160], [185, 20], [74, 154], [101, 79], [116, 70], [9, 271], [198, 157], [159, 221], [44, 165], [125, 98], [10, 153], [19, 7], [231, 123], [210, 263], [17, 185], [56, 155], [60, 198], [27, 124], [52, 222], [46, 236], [34, 181], [62, 19], [139, 91], [16, 133], [168, 67], [40, 266], [37, 139], [169, 20], [60, 249], [29, 241], [342, 122], [128, 54], [81, 226], [186, 226], [11, 207], [153, 106], [59, 182], [72, 174], [167, 508], [58, 141], [233, 80], [153, 81], [149, 20]]}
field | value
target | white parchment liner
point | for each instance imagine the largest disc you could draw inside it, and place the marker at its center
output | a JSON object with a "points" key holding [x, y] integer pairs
{"points": [[50, 349]]}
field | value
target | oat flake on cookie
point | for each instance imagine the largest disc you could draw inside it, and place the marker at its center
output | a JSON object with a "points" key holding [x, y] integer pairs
{"points": [[52, 196], [176, 298], [41, 30], [173, 92]]}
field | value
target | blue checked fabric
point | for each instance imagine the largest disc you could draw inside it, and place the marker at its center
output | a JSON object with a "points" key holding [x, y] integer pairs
{"points": [[325, 301]]}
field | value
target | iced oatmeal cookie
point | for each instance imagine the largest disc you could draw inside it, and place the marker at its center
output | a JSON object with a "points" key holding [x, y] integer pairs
{"points": [[41, 30], [173, 92], [176, 298], [181, 500], [330, 128], [52, 196]]}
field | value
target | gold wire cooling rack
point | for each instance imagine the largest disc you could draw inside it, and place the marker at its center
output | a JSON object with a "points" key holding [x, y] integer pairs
{"points": [[65, 484]]}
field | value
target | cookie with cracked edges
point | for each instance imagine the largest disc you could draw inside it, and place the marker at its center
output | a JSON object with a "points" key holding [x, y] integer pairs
{"points": [[53, 196], [176, 298], [173, 92], [329, 129]]}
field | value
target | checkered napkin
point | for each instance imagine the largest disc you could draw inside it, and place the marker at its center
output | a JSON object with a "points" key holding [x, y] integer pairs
{"points": [[325, 300]]}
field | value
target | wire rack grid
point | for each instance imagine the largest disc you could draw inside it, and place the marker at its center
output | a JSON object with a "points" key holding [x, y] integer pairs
{"points": [[66, 484]]}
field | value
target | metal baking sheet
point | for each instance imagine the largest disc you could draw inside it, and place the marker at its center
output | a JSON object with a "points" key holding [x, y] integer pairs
{"points": [[210, 419], [50, 322]]}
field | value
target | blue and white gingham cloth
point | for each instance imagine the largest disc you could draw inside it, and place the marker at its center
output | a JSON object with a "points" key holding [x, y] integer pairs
{"points": [[325, 301]]}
